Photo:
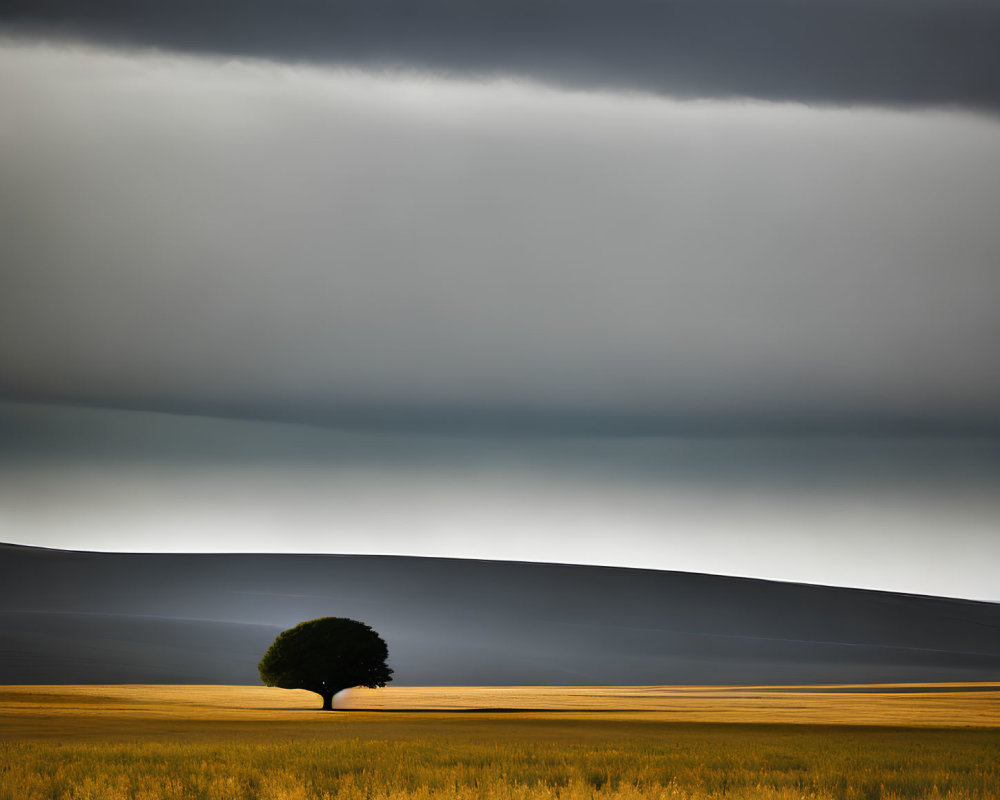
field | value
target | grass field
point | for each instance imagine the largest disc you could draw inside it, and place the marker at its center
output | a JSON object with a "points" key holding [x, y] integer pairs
{"points": [[254, 743]]}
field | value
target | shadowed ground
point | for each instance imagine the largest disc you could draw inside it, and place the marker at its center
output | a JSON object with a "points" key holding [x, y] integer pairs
{"points": [[105, 618]]}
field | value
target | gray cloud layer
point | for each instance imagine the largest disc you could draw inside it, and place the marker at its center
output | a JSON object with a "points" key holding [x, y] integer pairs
{"points": [[919, 52], [219, 238]]}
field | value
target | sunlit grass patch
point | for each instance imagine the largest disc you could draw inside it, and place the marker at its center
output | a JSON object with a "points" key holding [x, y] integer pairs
{"points": [[727, 762], [161, 745]]}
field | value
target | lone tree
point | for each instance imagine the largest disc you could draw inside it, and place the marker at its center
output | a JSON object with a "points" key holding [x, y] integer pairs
{"points": [[325, 656]]}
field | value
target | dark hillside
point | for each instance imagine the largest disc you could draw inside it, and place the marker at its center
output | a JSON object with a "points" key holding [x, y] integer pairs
{"points": [[70, 617]]}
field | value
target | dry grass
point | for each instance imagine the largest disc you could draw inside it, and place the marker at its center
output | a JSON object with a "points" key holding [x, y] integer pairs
{"points": [[253, 743], [886, 705], [942, 705]]}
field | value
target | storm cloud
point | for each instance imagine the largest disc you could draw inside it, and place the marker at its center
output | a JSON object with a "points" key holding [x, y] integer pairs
{"points": [[250, 239], [885, 52]]}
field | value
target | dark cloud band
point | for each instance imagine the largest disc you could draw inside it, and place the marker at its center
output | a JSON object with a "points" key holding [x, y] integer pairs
{"points": [[883, 52]]}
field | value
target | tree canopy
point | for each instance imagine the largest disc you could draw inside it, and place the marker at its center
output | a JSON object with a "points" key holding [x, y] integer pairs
{"points": [[325, 656]]}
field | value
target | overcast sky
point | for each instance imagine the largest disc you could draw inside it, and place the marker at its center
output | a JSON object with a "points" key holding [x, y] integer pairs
{"points": [[529, 238]]}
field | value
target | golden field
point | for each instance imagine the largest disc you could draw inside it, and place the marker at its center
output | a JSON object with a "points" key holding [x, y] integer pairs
{"points": [[518, 743]]}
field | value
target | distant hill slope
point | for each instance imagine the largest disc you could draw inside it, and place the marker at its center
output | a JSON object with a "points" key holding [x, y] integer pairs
{"points": [[70, 617]]}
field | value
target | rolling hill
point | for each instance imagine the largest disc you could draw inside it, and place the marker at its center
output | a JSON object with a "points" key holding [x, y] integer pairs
{"points": [[78, 617]]}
